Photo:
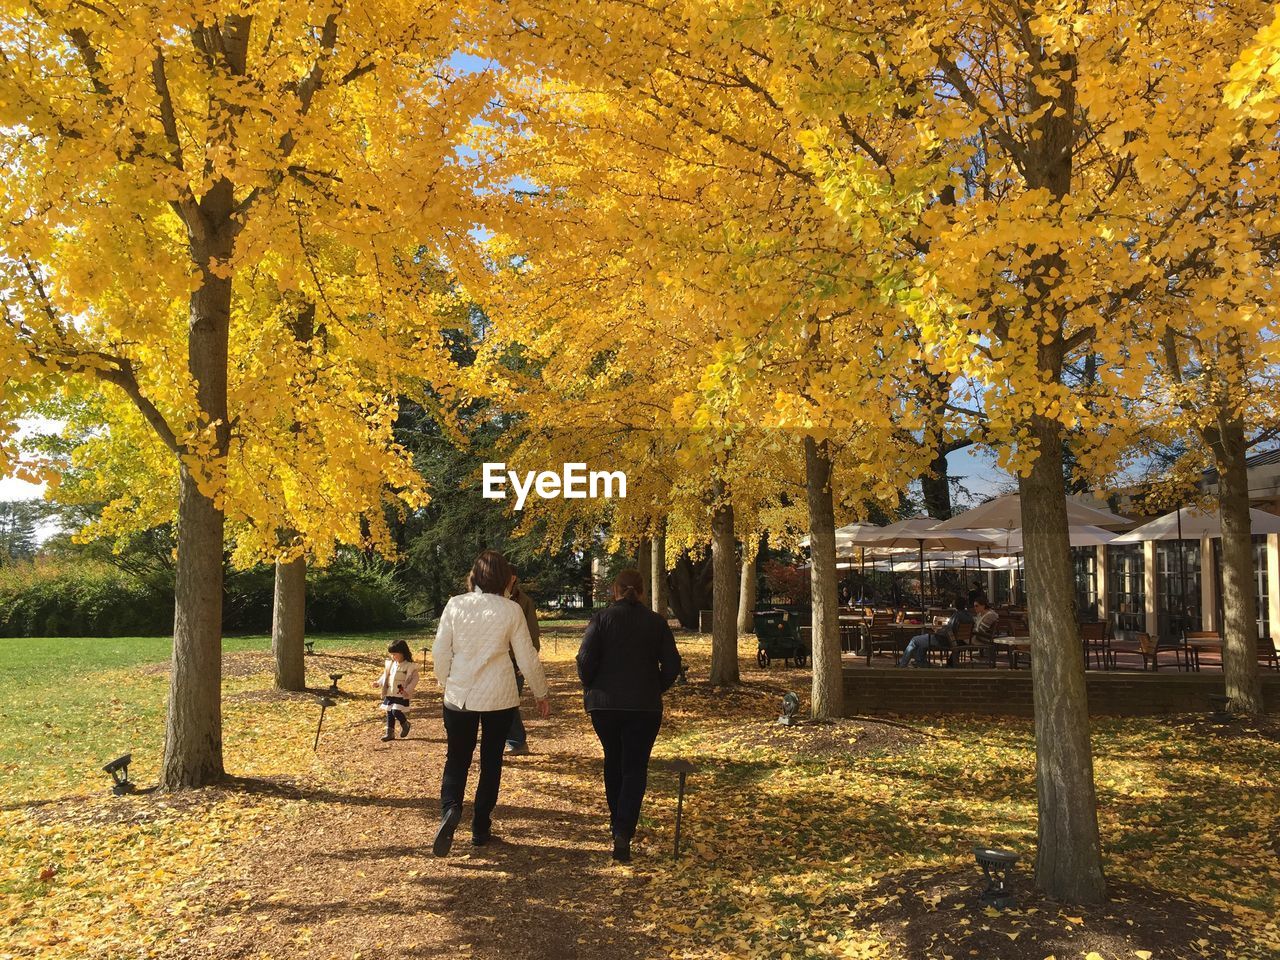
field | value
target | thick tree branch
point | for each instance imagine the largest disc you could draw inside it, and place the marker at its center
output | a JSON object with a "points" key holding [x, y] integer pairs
{"points": [[122, 376]]}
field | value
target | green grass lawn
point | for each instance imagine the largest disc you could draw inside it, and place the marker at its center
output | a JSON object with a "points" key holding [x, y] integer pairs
{"points": [[69, 705]]}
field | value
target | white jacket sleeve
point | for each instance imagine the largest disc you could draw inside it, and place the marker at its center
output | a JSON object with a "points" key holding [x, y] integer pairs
{"points": [[526, 656], [442, 649]]}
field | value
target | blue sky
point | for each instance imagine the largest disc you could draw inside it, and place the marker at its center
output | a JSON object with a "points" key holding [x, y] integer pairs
{"points": [[977, 471]]}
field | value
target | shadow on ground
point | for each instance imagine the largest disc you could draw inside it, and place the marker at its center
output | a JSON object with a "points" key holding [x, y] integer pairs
{"points": [[351, 871]]}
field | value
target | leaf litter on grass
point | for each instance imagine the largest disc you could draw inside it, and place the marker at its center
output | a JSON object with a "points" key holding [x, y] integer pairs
{"points": [[849, 839]]}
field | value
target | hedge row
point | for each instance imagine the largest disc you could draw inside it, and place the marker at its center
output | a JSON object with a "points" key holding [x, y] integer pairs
{"points": [[96, 600]]}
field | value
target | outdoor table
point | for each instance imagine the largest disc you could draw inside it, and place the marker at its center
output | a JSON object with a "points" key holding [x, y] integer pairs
{"points": [[1015, 646], [1196, 644], [850, 630]]}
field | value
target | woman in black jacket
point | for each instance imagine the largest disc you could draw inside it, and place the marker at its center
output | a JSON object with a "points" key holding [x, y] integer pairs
{"points": [[627, 660]]}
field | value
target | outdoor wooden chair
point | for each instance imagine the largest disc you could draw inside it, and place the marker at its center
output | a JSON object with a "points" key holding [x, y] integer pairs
{"points": [[1150, 647], [1093, 639], [881, 636], [1267, 653], [1125, 646], [967, 650]]}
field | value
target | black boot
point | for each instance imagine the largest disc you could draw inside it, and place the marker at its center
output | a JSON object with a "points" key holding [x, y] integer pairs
{"points": [[621, 848], [404, 724], [391, 726], [444, 833]]}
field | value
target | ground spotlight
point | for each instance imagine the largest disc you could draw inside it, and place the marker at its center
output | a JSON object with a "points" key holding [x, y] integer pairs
{"points": [[790, 707], [997, 866], [119, 770]]}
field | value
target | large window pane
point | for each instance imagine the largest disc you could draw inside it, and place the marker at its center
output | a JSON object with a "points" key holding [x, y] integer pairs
{"points": [[1126, 589], [1178, 587]]}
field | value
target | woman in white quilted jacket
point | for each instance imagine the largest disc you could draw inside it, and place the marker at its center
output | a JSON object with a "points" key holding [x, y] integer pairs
{"points": [[479, 632]]}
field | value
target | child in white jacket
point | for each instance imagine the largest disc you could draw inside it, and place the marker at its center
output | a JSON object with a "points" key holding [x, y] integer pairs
{"points": [[398, 681]]}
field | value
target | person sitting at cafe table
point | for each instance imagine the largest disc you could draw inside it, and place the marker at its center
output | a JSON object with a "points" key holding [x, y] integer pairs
{"points": [[941, 638], [985, 623]]}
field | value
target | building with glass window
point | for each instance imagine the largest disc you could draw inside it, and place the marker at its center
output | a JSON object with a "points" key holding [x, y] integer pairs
{"points": [[1166, 586]]}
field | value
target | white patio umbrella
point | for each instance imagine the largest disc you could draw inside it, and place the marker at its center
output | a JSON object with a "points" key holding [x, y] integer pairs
{"points": [[1005, 513], [858, 532], [922, 532], [851, 536], [1004, 563], [1192, 523], [1010, 542]]}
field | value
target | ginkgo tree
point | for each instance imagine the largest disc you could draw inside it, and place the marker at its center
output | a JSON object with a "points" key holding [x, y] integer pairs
{"points": [[154, 153]]}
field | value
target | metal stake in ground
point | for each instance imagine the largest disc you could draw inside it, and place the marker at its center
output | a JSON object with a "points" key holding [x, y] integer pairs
{"points": [[683, 768], [325, 704]]}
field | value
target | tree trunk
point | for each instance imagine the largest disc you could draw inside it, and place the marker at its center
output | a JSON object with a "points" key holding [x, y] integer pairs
{"points": [[935, 486], [1069, 853], [193, 728], [644, 564], [690, 591], [827, 698], [288, 624], [747, 595], [289, 611], [588, 581], [1239, 590], [658, 571], [724, 595]]}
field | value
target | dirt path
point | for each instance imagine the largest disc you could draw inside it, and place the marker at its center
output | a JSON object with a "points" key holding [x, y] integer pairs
{"points": [[351, 873]]}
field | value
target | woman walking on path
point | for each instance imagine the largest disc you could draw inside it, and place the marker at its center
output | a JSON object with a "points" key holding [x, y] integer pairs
{"points": [[478, 633], [628, 659]]}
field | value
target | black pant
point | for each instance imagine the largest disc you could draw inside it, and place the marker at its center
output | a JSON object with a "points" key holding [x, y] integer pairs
{"points": [[394, 715], [461, 728], [627, 737], [516, 736]]}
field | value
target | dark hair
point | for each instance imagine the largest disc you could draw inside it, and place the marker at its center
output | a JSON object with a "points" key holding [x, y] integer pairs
{"points": [[400, 647], [491, 573], [982, 599], [629, 585]]}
